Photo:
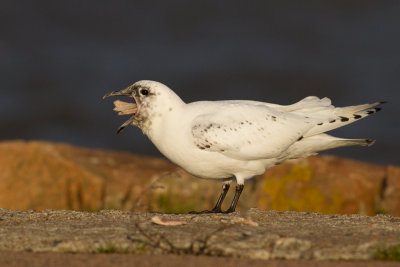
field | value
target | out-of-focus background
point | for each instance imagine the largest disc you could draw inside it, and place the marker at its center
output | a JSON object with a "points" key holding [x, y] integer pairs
{"points": [[58, 58]]}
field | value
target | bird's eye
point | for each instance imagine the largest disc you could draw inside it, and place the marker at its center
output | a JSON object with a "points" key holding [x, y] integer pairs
{"points": [[144, 92]]}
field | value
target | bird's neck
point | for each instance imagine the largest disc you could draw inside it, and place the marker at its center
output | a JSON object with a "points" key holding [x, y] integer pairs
{"points": [[157, 117]]}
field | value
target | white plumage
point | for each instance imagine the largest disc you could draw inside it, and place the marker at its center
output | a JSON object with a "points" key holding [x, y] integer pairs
{"points": [[235, 139]]}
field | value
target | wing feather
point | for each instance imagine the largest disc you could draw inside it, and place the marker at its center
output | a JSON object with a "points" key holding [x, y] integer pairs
{"points": [[248, 131]]}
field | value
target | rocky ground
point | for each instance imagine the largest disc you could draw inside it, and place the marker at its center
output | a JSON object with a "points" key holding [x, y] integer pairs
{"points": [[255, 234], [18, 259]]}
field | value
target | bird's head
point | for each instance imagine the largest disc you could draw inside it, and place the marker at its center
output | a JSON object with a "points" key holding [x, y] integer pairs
{"points": [[151, 100]]}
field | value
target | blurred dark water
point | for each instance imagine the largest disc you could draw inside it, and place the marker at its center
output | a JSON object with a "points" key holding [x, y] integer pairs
{"points": [[58, 58]]}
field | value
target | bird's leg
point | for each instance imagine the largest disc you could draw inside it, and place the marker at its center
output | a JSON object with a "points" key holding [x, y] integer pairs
{"points": [[225, 189], [239, 189], [217, 208]]}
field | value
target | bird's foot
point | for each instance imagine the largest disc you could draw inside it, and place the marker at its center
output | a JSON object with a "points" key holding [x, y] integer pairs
{"points": [[213, 211], [228, 211], [207, 211]]}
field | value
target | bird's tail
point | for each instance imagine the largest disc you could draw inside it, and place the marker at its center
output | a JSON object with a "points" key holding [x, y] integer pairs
{"points": [[339, 117], [312, 145]]}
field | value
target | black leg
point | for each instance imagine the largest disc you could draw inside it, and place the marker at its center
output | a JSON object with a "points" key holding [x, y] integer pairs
{"points": [[239, 189], [225, 189], [217, 208]]}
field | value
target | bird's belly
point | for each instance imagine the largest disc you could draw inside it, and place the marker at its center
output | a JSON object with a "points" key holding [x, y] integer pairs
{"points": [[213, 165]]}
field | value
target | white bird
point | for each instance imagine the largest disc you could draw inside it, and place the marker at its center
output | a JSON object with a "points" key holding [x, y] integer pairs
{"points": [[239, 139]]}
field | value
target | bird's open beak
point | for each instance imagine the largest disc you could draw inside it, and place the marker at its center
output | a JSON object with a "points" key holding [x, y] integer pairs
{"points": [[125, 108], [124, 92]]}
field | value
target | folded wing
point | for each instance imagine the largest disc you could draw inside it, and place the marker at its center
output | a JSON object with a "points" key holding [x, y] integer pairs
{"points": [[247, 131]]}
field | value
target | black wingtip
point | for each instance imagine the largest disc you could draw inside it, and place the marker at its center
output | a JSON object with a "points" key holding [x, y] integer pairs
{"points": [[370, 142], [373, 110], [382, 102]]}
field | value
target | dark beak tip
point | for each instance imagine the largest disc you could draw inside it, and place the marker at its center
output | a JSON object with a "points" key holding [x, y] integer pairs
{"points": [[119, 130], [108, 95]]}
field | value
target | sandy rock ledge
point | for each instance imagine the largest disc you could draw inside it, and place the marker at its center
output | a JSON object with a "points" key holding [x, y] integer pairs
{"points": [[253, 234]]}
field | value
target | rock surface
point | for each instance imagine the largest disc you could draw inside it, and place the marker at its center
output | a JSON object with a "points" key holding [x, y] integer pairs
{"points": [[29, 259], [254, 234], [43, 175]]}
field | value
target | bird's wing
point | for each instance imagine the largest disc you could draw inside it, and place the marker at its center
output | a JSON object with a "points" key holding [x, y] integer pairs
{"points": [[309, 104], [247, 131]]}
